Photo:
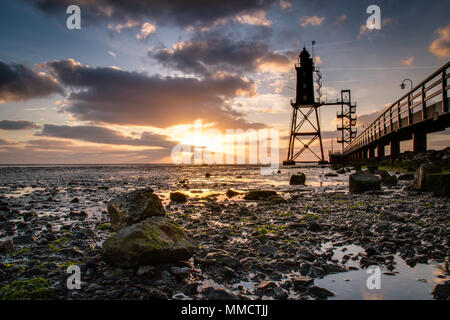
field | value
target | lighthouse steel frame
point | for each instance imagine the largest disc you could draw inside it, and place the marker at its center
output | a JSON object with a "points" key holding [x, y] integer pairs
{"points": [[307, 129]]}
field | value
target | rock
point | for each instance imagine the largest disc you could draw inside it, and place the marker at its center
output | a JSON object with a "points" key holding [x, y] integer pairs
{"points": [[220, 294], [178, 197], [301, 282], [341, 171], [372, 168], [362, 182], [320, 293], [231, 193], [266, 286], [298, 180], [314, 227], [75, 200], [331, 174], [207, 175], [145, 271], [134, 207], [30, 289], [25, 239], [180, 272], [6, 246], [424, 170], [155, 293], [441, 291], [190, 289], [156, 240], [390, 181], [371, 251], [228, 272], [406, 177], [431, 180], [259, 194]]}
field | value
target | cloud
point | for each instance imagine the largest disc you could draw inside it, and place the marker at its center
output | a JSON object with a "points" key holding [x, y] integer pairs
{"points": [[341, 19], [128, 25], [48, 151], [97, 134], [408, 61], [441, 46], [109, 95], [146, 30], [6, 142], [313, 21], [169, 12], [366, 119], [18, 125], [286, 5], [206, 56], [363, 30], [20, 83], [257, 18]]}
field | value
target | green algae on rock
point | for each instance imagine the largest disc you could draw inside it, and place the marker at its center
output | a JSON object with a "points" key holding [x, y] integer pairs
{"points": [[32, 289], [156, 240]]}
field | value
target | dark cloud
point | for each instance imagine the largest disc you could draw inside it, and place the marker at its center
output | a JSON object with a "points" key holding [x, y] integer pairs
{"points": [[103, 135], [18, 125], [19, 83], [115, 96], [170, 12], [366, 119], [205, 56], [48, 151]]}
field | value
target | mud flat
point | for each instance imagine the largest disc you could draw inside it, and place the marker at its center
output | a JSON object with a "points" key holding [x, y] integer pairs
{"points": [[307, 242]]}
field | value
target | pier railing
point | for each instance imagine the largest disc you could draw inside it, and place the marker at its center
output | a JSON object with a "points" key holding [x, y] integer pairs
{"points": [[427, 100]]}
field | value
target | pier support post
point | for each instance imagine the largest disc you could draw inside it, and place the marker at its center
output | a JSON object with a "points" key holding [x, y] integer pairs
{"points": [[371, 152], [364, 154], [420, 142], [395, 146], [380, 151]]}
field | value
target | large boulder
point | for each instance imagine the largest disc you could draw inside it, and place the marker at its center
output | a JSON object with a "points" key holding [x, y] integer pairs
{"points": [[298, 180], [156, 240], [362, 182], [133, 207]]}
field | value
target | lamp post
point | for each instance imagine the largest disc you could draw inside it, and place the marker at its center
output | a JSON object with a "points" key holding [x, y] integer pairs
{"points": [[403, 85]]}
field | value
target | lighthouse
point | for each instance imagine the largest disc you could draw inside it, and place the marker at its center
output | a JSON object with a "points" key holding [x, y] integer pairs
{"points": [[305, 85]]}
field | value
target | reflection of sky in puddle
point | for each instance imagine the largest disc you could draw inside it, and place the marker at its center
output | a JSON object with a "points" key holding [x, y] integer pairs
{"points": [[405, 285]]}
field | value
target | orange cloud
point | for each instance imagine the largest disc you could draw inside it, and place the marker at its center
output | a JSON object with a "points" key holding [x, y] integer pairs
{"points": [[441, 46], [258, 18], [408, 61], [313, 21]]}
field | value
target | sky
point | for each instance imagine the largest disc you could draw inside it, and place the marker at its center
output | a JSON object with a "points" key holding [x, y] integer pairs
{"points": [[138, 77]]}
